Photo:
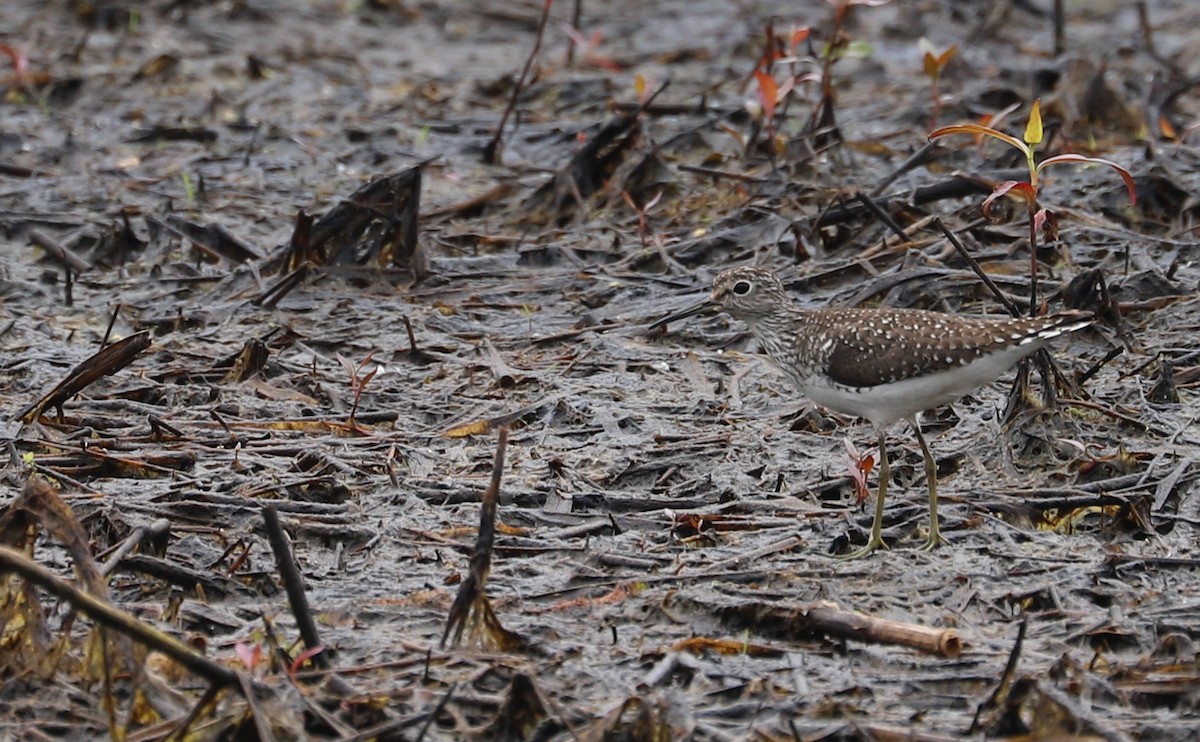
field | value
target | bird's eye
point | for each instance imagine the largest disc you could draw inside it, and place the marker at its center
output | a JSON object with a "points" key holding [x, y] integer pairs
{"points": [[741, 288]]}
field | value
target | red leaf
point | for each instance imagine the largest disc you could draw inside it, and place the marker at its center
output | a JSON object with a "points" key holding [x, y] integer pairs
{"points": [[249, 655], [767, 90], [1023, 191], [1045, 222], [303, 657], [798, 35]]}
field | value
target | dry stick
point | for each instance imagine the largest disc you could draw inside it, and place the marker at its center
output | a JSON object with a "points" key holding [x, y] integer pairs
{"points": [[59, 251], [114, 618], [260, 720], [757, 555], [851, 625], [293, 583], [281, 288], [471, 591], [919, 157], [203, 706], [1045, 362], [716, 174], [987, 280], [576, 16], [881, 215], [999, 695], [131, 541], [442, 703], [490, 152], [1148, 40], [885, 733], [112, 320], [1095, 369], [1060, 28]]}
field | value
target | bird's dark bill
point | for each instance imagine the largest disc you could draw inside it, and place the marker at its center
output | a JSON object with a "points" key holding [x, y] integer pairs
{"points": [[697, 308]]}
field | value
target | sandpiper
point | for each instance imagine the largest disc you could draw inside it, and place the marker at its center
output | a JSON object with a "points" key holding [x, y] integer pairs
{"points": [[884, 365]]}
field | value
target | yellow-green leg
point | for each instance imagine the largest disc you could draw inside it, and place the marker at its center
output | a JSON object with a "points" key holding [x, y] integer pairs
{"points": [[935, 534], [876, 539]]}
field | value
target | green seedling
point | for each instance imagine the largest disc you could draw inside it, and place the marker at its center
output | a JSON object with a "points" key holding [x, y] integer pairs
{"points": [[1041, 220], [189, 189]]}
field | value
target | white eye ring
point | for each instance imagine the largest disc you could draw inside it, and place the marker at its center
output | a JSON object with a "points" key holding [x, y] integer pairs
{"points": [[741, 288]]}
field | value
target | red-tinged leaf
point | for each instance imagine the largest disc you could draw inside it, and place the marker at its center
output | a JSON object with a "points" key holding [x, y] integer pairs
{"points": [[1167, 129], [303, 657], [1033, 129], [574, 35], [945, 57], [1130, 186], [1046, 223], [653, 202], [1020, 189], [798, 37], [994, 120], [767, 90], [1039, 220], [248, 655], [19, 61], [866, 465], [976, 129], [930, 64], [782, 91]]}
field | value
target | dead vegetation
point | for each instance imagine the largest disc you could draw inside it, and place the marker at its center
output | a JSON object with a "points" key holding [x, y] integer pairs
{"points": [[290, 290]]}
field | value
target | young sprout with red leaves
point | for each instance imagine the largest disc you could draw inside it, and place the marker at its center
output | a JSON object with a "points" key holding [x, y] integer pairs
{"points": [[934, 63], [1041, 220], [358, 383], [588, 48], [643, 213], [771, 93]]}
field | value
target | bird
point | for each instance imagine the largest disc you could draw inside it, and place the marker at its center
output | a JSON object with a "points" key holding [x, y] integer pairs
{"points": [[881, 364]]}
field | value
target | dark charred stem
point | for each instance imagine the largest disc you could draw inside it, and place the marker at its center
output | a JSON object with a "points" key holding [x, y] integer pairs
{"points": [[491, 153], [293, 583], [983, 276]]}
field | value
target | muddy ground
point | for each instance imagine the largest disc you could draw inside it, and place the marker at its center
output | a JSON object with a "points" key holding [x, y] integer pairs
{"points": [[670, 510]]}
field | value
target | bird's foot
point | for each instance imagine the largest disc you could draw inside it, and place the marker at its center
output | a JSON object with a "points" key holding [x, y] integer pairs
{"points": [[873, 544], [935, 540]]}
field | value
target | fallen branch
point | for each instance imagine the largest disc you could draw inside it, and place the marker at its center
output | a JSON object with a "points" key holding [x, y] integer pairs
{"points": [[854, 625], [104, 362], [828, 621]]}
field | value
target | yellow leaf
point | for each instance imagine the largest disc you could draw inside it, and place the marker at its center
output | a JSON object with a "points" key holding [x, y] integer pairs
{"points": [[931, 65], [478, 427], [1033, 130]]}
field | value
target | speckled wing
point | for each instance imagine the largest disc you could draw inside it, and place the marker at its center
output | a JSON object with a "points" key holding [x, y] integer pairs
{"points": [[881, 346]]}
